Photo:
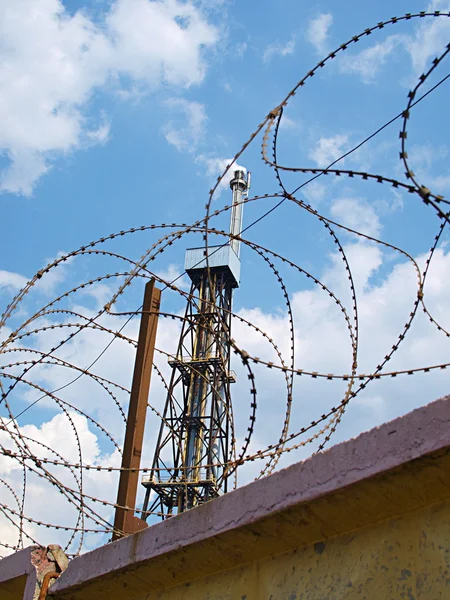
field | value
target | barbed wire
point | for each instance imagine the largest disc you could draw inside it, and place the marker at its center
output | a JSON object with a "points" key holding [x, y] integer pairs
{"points": [[43, 351]]}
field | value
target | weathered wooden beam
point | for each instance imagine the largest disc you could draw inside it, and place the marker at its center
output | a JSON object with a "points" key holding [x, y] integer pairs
{"points": [[125, 522]]}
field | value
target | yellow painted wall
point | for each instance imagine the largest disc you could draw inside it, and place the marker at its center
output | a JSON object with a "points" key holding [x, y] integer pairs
{"points": [[404, 558], [13, 589]]}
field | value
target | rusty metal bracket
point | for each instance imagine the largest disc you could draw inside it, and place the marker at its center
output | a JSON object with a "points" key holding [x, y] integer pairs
{"points": [[46, 582]]}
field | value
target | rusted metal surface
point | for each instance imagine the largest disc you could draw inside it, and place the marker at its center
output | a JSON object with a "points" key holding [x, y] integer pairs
{"points": [[48, 563], [125, 522], [26, 575], [45, 584], [55, 553]]}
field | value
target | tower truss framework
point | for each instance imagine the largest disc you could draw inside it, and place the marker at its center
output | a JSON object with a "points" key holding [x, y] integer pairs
{"points": [[194, 444]]}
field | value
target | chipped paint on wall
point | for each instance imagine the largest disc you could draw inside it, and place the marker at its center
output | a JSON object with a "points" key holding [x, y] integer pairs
{"points": [[403, 558]]}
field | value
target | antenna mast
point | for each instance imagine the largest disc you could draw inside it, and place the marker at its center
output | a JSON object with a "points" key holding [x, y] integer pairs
{"points": [[193, 445]]}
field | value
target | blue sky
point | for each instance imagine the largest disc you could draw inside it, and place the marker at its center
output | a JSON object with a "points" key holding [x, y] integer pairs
{"points": [[123, 113], [127, 133]]}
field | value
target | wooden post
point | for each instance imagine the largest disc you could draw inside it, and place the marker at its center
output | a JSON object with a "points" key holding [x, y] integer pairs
{"points": [[125, 522]]}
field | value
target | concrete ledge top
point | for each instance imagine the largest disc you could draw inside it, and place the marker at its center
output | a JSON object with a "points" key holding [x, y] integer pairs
{"points": [[16, 565], [19, 573], [389, 470]]}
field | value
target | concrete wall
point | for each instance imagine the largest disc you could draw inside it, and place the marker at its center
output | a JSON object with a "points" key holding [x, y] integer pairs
{"points": [[406, 557], [23, 574], [367, 519]]}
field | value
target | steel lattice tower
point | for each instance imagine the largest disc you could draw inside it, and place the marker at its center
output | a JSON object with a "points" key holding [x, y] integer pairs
{"points": [[193, 445]]}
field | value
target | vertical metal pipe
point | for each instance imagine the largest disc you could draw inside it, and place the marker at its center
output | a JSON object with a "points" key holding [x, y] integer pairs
{"points": [[239, 186]]}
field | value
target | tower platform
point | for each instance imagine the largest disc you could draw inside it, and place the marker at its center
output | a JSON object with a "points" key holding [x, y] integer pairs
{"points": [[221, 258]]}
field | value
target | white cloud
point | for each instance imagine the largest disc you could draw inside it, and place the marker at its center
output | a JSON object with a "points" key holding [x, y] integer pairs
{"points": [[227, 86], [287, 123], [101, 134], [278, 49], [385, 299], [55, 276], [63, 432], [315, 192], [57, 433], [191, 124], [369, 62], [240, 49], [317, 32], [356, 214], [429, 164], [174, 274], [160, 42], [441, 184], [328, 149], [12, 281], [45, 422], [25, 169], [384, 296], [427, 40], [215, 166], [365, 259], [53, 61], [430, 38], [99, 292]]}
